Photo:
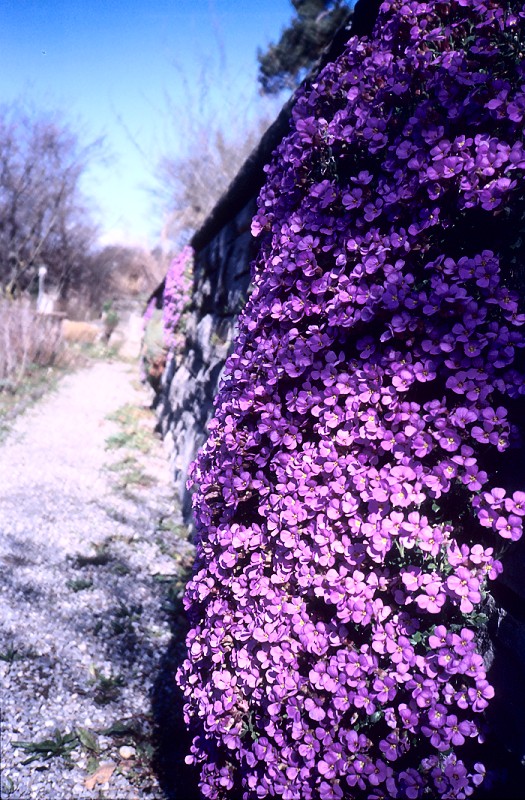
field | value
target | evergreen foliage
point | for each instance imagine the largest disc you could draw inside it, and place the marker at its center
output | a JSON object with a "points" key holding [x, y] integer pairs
{"points": [[283, 64]]}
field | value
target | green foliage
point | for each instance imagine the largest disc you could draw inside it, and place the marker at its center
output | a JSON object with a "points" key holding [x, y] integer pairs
{"points": [[107, 688], [132, 433], [133, 437], [58, 745], [284, 64], [88, 739], [153, 340], [100, 558], [129, 474], [10, 654], [153, 350], [80, 584], [110, 318]]}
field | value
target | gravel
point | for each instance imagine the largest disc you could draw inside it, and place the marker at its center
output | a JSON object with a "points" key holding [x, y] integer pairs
{"points": [[90, 570]]}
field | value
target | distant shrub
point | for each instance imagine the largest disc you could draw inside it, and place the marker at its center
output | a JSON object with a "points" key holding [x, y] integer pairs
{"points": [[110, 319], [153, 351]]}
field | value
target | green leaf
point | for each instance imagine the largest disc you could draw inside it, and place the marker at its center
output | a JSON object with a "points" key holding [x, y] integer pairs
{"points": [[23, 745], [69, 738], [88, 739], [29, 760], [147, 750], [92, 765], [48, 748], [37, 747], [120, 728]]}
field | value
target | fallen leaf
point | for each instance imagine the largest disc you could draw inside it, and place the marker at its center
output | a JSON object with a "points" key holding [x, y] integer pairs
{"points": [[102, 775]]}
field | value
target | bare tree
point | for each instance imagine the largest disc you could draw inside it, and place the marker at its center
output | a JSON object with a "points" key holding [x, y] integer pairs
{"points": [[215, 132], [44, 217], [129, 270]]}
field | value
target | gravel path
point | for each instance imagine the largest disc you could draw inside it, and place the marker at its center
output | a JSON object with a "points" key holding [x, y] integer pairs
{"points": [[91, 553]]}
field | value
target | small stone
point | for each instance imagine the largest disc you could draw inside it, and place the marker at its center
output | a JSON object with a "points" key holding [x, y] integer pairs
{"points": [[127, 752]]}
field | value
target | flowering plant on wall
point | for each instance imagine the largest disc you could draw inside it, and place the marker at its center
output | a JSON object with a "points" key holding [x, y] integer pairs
{"points": [[360, 474], [176, 298], [163, 327]]}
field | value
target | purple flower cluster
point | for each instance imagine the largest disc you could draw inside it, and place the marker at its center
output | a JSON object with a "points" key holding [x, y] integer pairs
{"points": [[175, 298], [348, 502]]}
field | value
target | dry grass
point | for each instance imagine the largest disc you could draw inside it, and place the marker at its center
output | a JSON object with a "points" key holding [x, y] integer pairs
{"points": [[27, 340], [78, 331]]}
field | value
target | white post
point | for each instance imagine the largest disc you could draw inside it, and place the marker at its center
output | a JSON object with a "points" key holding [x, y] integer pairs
{"points": [[41, 299]]}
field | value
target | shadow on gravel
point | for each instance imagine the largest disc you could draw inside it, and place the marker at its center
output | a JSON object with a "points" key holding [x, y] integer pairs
{"points": [[19, 590], [16, 584], [172, 741]]}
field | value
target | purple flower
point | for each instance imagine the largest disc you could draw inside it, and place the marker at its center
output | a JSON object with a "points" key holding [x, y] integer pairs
{"points": [[369, 397], [176, 296]]}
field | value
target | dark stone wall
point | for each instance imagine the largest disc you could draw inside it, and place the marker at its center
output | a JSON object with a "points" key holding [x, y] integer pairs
{"points": [[506, 656], [221, 281]]}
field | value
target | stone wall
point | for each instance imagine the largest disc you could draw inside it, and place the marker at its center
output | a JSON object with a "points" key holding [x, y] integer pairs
{"points": [[221, 280]]}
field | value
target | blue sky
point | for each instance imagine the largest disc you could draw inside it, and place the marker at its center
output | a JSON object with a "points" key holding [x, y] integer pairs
{"points": [[109, 64]]}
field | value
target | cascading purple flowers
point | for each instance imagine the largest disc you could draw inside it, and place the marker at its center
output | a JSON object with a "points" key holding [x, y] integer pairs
{"points": [[354, 492], [175, 298], [163, 325]]}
